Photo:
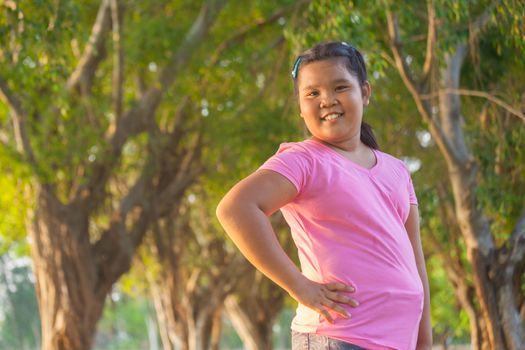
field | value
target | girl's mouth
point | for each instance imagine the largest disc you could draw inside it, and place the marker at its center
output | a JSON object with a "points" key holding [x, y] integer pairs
{"points": [[331, 116]]}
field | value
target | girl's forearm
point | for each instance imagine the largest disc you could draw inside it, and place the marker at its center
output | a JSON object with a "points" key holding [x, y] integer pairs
{"points": [[251, 231]]}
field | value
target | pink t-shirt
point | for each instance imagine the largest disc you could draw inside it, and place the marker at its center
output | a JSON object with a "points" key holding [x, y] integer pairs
{"points": [[348, 225]]}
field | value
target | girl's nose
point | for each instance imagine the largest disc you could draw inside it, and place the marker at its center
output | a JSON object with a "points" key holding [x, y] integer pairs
{"points": [[328, 100]]}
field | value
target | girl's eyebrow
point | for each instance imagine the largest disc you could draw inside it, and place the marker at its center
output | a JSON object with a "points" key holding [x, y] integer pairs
{"points": [[336, 81], [342, 80]]}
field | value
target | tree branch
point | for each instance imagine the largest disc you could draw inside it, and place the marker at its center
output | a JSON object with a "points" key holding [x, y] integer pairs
{"points": [[242, 33], [446, 211], [136, 119], [397, 50], [22, 142], [93, 52], [486, 95], [7, 96], [193, 38], [183, 179], [481, 22], [431, 42], [118, 59], [456, 274], [517, 240], [423, 106], [162, 188]]}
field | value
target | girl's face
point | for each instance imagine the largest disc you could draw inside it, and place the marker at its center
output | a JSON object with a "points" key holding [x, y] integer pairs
{"points": [[331, 100]]}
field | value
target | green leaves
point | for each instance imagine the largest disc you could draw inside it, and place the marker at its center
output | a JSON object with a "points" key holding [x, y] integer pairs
{"points": [[15, 200], [243, 99]]}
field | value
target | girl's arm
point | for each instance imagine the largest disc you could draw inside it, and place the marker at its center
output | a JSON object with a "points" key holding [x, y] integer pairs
{"points": [[244, 213], [424, 340]]}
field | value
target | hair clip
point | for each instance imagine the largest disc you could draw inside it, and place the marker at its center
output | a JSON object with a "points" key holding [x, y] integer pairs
{"points": [[295, 68], [344, 43]]}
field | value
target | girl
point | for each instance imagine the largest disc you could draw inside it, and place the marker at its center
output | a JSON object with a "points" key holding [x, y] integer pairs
{"points": [[353, 217]]}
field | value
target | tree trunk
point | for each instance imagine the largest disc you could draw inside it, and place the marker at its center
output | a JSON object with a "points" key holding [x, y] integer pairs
{"points": [[216, 330], [254, 308], [200, 326], [255, 335], [493, 279], [457, 274], [173, 331], [188, 296], [70, 299], [190, 321], [75, 270], [493, 268]]}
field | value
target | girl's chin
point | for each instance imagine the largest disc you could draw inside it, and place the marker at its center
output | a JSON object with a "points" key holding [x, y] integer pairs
{"points": [[334, 138]]}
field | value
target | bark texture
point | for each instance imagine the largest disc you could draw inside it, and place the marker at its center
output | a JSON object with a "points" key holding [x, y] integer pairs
{"points": [[195, 274], [76, 261], [254, 309], [65, 284], [495, 269]]}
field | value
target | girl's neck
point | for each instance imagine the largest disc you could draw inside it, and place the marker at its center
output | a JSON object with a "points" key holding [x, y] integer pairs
{"points": [[354, 145]]}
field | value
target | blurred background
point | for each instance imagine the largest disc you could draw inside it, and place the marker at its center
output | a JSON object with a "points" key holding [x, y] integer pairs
{"points": [[123, 123]]}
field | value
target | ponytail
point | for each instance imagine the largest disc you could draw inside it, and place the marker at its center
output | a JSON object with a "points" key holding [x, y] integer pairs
{"points": [[367, 136]]}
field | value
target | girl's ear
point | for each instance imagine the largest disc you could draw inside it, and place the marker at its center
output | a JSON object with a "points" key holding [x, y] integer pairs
{"points": [[366, 90]]}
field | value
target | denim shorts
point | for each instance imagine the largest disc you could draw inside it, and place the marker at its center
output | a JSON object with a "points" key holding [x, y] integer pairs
{"points": [[310, 341]]}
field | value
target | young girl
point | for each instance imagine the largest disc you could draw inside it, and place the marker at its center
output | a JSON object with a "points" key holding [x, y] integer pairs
{"points": [[353, 217]]}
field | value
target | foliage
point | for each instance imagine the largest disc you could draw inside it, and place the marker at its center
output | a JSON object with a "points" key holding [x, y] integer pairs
{"points": [[495, 137], [244, 96], [14, 201], [448, 319]]}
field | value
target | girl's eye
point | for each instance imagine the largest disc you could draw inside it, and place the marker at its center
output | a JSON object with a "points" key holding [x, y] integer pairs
{"points": [[312, 93], [341, 87]]}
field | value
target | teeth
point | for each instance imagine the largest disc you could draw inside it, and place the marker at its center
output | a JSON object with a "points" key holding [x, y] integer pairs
{"points": [[331, 116]]}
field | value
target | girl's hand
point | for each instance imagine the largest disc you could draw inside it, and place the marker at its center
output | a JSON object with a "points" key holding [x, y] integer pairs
{"points": [[323, 297]]}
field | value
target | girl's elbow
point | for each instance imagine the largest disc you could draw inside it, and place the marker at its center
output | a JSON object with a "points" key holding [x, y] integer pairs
{"points": [[226, 206], [234, 207], [222, 208]]}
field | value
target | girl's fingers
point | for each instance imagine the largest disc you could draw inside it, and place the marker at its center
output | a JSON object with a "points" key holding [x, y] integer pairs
{"points": [[352, 302], [338, 286], [342, 299], [326, 315], [329, 297], [336, 308]]}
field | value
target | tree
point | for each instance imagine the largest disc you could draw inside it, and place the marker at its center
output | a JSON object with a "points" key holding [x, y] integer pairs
{"points": [[433, 71], [194, 275], [495, 268], [208, 270], [75, 132], [19, 321]]}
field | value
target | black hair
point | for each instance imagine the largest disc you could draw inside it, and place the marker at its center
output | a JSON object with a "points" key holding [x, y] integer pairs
{"points": [[354, 63]]}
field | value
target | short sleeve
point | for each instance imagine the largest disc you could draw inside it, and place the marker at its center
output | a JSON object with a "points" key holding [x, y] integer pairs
{"points": [[292, 162], [412, 199]]}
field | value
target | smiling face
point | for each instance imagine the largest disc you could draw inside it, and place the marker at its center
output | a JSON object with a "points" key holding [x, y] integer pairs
{"points": [[331, 101]]}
